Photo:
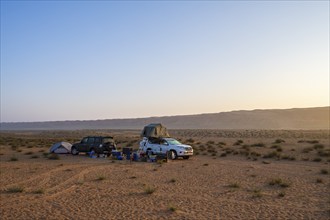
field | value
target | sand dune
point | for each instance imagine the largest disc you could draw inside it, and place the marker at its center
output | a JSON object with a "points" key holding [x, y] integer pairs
{"points": [[303, 118]]}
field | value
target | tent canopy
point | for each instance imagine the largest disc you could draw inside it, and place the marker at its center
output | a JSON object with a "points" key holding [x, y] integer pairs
{"points": [[61, 148], [154, 131]]}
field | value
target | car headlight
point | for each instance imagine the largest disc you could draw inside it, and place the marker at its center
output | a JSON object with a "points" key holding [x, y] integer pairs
{"points": [[100, 145]]}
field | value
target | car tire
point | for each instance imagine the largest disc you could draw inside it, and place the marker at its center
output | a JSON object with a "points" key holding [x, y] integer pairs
{"points": [[173, 155], [148, 152], [185, 157], [74, 151]]}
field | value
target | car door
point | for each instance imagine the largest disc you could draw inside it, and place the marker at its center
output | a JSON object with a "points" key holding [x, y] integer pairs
{"points": [[90, 144], [83, 145]]}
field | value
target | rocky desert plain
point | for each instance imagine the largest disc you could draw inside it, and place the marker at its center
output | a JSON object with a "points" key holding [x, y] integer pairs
{"points": [[234, 174]]}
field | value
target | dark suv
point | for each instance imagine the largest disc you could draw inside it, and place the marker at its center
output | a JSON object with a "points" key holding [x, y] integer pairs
{"points": [[94, 145]]}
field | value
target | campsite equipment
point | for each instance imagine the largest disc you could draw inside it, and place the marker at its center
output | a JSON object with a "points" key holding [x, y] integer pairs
{"points": [[154, 131], [61, 148], [116, 153], [135, 156], [127, 150], [92, 154]]}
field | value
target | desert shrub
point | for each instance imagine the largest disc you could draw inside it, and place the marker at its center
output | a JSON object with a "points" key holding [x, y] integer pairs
{"points": [[14, 147], [317, 159], [34, 157], [278, 182], [238, 142], [255, 154], [279, 149], [312, 142], [15, 189], [172, 208], [318, 146], [39, 191], [319, 180], [214, 154], [272, 155], [172, 180], [29, 153], [223, 154], [257, 193], [197, 153], [190, 140], [205, 164], [307, 150], [45, 154], [281, 194], [53, 157], [222, 143], [100, 178], [324, 171], [210, 142], [258, 145], [278, 141], [13, 158], [323, 153], [234, 185], [149, 190]]}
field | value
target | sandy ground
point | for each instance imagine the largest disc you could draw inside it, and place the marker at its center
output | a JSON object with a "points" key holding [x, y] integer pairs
{"points": [[207, 186]]}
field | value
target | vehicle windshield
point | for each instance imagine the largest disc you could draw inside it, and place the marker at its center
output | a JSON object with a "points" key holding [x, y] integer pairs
{"points": [[172, 142], [108, 140]]}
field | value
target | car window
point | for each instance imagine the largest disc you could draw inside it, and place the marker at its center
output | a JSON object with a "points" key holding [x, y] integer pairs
{"points": [[84, 140], [91, 140], [108, 140], [98, 140], [173, 142]]}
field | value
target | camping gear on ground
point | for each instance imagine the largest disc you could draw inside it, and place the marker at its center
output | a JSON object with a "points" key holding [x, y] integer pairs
{"points": [[152, 158], [127, 150], [61, 148], [92, 154], [135, 156], [154, 131], [115, 153]]}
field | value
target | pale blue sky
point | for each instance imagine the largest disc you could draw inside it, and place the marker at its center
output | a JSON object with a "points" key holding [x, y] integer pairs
{"points": [[98, 60]]}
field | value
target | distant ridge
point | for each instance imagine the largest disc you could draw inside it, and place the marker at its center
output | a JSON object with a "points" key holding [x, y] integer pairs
{"points": [[287, 119]]}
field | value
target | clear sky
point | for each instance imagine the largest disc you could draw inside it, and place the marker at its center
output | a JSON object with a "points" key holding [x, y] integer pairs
{"points": [[86, 60]]}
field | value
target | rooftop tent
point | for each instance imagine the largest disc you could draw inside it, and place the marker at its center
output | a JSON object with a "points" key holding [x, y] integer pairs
{"points": [[154, 130], [61, 148]]}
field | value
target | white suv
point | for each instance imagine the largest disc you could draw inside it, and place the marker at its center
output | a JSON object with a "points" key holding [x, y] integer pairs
{"points": [[165, 145]]}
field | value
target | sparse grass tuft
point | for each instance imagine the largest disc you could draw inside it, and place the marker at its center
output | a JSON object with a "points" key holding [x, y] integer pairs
{"points": [[258, 145], [53, 157], [13, 158], [318, 146], [279, 182], [278, 141], [317, 159], [234, 185], [173, 180], [238, 142], [149, 190], [100, 178], [319, 180], [172, 208], [34, 157], [257, 193], [205, 164], [324, 171], [39, 191], [281, 194], [15, 189]]}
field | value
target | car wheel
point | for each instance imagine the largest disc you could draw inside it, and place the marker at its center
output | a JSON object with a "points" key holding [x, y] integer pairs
{"points": [[173, 155], [149, 152], [74, 151], [186, 157]]}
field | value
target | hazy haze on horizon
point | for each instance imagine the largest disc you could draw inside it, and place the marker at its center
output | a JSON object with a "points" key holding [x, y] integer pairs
{"points": [[109, 59]]}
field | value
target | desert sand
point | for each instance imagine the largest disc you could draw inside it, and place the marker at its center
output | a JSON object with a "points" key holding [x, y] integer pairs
{"points": [[235, 174]]}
